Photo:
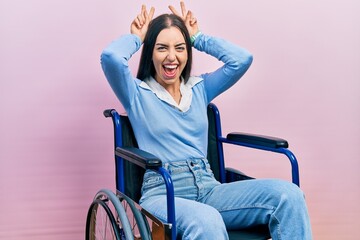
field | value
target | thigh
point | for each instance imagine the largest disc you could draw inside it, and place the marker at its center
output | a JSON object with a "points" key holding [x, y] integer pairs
{"points": [[194, 220], [248, 203]]}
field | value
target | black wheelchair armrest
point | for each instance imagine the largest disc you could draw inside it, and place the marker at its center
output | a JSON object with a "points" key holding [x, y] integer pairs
{"points": [[139, 157], [233, 175], [259, 140]]}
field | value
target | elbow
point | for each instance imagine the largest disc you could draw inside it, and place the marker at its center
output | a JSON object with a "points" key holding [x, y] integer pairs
{"points": [[243, 62], [250, 59], [105, 62], [110, 60], [106, 57], [239, 64], [246, 60]]}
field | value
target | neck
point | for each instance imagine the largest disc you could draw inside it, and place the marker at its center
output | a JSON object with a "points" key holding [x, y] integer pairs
{"points": [[174, 91], [172, 88]]}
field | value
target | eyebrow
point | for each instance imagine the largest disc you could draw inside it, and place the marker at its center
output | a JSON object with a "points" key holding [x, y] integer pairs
{"points": [[165, 45]]}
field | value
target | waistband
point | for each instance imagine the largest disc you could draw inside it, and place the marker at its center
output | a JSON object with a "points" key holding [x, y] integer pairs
{"points": [[185, 165]]}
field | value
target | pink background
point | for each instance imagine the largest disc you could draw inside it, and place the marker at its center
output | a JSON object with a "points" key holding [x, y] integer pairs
{"points": [[56, 147]]}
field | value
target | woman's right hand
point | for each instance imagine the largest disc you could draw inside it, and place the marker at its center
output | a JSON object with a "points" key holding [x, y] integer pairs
{"points": [[141, 23]]}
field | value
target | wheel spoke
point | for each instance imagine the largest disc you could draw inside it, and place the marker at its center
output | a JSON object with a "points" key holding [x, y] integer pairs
{"points": [[113, 217], [101, 225]]}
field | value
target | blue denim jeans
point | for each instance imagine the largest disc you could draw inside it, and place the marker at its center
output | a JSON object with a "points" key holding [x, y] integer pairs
{"points": [[205, 208]]}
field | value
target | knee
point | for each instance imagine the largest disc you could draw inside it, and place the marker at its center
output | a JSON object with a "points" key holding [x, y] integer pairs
{"points": [[289, 194], [293, 193]]}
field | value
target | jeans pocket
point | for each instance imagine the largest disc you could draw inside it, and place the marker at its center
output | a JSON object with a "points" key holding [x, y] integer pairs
{"points": [[152, 180]]}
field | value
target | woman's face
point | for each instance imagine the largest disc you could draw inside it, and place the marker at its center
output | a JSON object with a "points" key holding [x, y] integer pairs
{"points": [[169, 56]]}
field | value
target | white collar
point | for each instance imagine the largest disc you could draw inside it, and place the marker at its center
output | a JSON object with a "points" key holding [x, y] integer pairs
{"points": [[162, 94]]}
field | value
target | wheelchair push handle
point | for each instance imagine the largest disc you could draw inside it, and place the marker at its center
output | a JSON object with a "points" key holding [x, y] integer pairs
{"points": [[108, 112]]}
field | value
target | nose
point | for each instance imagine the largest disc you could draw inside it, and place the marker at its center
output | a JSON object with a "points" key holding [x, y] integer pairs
{"points": [[171, 55]]}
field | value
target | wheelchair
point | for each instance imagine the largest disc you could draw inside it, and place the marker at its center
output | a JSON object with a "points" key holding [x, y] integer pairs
{"points": [[119, 216]]}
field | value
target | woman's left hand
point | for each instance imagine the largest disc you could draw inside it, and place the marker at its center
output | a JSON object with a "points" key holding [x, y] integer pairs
{"points": [[188, 17], [140, 24]]}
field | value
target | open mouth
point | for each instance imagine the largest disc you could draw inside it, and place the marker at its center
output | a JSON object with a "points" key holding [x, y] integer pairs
{"points": [[170, 70]]}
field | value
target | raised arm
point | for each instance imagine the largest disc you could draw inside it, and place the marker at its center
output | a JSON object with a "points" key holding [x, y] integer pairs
{"points": [[236, 60], [114, 58]]}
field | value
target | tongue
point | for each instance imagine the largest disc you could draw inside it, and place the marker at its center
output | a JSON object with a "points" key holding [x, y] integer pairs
{"points": [[170, 72]]}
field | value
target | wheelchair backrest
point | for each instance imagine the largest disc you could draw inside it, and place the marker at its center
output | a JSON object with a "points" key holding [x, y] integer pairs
{"points": [[133, 175]]}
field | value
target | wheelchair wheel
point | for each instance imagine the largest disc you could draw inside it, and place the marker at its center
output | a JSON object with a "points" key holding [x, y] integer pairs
{"points": [[138, 221], [100, 223], [107, 218]]}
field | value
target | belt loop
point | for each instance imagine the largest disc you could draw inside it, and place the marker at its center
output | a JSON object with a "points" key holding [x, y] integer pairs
{"points": [[166, 166], [205, 162]]}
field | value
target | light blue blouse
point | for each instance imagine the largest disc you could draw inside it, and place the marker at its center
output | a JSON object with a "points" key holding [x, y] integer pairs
{"points": [[171, 132]]}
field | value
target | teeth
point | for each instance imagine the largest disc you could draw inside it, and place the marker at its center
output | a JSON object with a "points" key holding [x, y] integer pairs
{"points": [[170, 66]]}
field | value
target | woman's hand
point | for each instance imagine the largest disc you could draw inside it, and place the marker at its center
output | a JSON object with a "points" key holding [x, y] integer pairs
{"points": [[188, 17], [141, 23]]}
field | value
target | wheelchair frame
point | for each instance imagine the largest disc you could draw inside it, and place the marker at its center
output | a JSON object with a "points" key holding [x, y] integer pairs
{"points": [[122, 228]]}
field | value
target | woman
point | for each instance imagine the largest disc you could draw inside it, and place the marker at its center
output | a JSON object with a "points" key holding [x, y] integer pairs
{"points": [[167, 109]]}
